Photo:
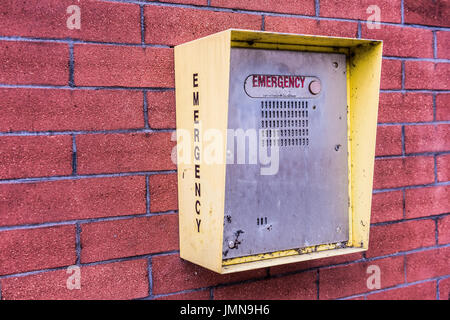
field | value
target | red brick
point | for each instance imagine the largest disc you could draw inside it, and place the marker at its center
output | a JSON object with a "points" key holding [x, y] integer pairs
{"points": [[163, 192], [173, 26], [100, 21], [427, 138], [305, 265], [40, 248], [443, 167], [387, 206], [172, 274], [105, 65], [389, 141], [197, 2], [427, 75], [119, 280], [443, 107], [427, 201], [59, 110], [399, 172], [428, 264], [427, 12], [53, 201], [101, 153], [443, 39], [27, 62], [444, 228], [391, 74], [401, 236], [301, 286], [343, 281], [421, 291], [161, 109], [309, 26], [444, 289], [408, 107], [193, 295], [390, 10], [35, 156], [305, 7], [130, 237], [402, 41]]}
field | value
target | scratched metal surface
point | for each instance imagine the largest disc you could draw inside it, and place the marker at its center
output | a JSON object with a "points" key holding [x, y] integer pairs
{"points": [[306, 202]]}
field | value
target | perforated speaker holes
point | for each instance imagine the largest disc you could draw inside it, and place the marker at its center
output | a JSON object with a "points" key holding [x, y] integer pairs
{"points": [[284, 123]]}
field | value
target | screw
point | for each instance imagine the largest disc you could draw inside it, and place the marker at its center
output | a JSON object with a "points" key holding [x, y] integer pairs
{"points": [[336, 147], [231, 244], [335, 64]]}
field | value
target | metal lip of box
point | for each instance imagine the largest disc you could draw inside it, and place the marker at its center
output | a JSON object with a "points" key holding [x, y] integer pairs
{"points": [[275, 147]]}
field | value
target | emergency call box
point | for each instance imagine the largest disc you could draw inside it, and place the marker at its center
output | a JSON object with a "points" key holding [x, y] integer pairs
{"points": [[275, 147]]}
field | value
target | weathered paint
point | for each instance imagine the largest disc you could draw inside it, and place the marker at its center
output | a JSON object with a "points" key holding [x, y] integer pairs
{"points": [[209, 58], [284, 253]]}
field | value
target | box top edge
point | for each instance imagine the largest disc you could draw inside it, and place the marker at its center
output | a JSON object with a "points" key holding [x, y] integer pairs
{"points": [[235, 33], [245, 35]]}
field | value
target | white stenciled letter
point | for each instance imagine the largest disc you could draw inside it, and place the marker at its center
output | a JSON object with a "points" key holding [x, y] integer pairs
{"points": [[374, 280], [74, 20], [373, 21], [74, 280]]}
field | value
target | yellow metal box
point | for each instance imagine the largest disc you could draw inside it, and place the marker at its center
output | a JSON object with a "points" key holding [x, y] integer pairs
{"points": [[275, 147]]}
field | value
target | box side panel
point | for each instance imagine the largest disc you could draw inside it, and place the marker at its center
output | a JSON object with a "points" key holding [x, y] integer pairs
{"points": [[201, 111], [365, 72]]}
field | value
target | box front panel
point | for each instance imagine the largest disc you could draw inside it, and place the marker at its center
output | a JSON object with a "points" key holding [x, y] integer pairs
{"points": [[287, 167]]}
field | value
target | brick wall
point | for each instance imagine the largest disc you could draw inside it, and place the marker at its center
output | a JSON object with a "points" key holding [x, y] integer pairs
{"points": [[86, 177]]}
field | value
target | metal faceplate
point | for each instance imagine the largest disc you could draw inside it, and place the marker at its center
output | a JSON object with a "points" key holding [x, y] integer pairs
{"points": [[305, 201]]}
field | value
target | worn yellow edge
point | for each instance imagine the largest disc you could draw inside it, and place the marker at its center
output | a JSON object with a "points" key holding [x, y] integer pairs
{"points": [[284, 253], [287, 47], [365, 73], [249, 36], [288, 259]]}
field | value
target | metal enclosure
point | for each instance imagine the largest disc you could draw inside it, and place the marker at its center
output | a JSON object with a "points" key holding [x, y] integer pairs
{"points": [[291, 123], [304, 201]]}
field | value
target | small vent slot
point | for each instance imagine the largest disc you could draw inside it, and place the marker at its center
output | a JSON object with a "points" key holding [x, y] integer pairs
{"points": [[284, 123], [261, 221]]}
